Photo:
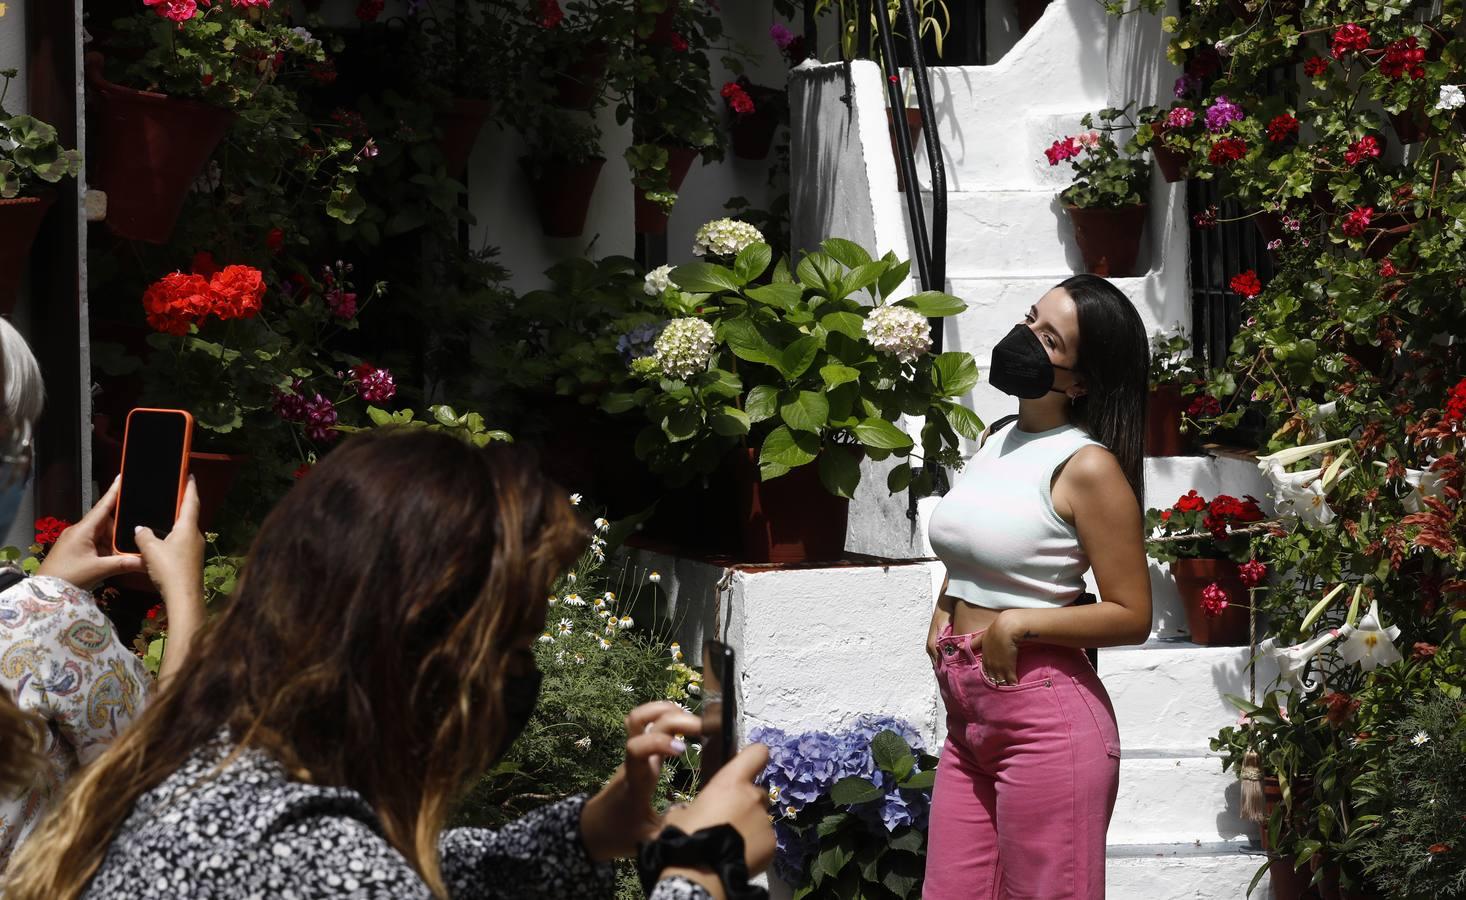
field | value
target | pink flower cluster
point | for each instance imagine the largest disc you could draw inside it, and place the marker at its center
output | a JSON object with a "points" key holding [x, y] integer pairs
{"points": [[1362, 150], [181, 11], [1180, 117], [1070, 147], [372, 384], [1213, 600], [1252, 572]]}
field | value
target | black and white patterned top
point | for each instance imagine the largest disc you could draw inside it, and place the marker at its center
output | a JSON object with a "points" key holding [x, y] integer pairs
{"points": [[248, 831]]}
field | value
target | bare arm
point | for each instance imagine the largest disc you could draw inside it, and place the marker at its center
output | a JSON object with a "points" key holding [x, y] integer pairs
{"points": [[1110, 528]]}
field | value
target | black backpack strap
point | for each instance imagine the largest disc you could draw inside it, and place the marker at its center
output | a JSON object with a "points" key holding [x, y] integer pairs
{"points": [[9, 578], [995, 428]]}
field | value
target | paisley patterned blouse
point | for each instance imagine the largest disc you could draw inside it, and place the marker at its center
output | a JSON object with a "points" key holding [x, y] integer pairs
{"points": [[61, 659], [230, 824]]}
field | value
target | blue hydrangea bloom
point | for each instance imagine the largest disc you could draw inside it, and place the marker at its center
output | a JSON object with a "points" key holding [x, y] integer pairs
{"points": [[639, 341]]}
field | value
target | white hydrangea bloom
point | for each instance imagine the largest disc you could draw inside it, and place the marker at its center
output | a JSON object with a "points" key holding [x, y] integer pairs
{"points": [[657, 281], [900, 331], [725, 237], [1451, 97], [685, 347]]}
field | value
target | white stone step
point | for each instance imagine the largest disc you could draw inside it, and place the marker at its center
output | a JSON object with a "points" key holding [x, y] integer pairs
{"points": [[1183, 872], [1169, 696], [1178, 799]]}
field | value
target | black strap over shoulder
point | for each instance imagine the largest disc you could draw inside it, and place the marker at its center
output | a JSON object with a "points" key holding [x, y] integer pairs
{"points": [[996, 427]]}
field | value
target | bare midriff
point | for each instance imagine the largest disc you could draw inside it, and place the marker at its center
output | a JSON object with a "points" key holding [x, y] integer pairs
{"points": [[968, 618]]}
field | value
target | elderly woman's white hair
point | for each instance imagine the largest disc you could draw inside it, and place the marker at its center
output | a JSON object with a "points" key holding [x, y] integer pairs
{"points": [[24, 392]]}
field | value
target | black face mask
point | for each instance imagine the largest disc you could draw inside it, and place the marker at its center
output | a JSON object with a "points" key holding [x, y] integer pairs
{"points": [[1021, 365], [521, 693]]}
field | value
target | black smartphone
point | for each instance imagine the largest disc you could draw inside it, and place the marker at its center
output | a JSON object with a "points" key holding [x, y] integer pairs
{"points": [[719, 709], [154, 474]]}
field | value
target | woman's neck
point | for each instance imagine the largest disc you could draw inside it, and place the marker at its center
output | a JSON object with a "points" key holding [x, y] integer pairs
{"points": [[1048, 411]]}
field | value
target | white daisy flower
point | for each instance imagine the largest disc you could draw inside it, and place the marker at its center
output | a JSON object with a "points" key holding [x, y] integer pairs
{"points": [[655, 577], [546, 638], [583, 743], [627, 689], [575, 499], [610, 597], [573, 600], [604, 644], [602, 524], [1420, 738], [625, 622], [566, 627], [570, 578]]}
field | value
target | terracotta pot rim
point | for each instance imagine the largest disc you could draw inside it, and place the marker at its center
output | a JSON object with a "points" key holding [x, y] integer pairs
{"points": [[25, 201], [217, 457]]}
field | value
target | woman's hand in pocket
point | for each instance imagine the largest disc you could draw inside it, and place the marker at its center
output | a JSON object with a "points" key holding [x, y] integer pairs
{"points": [[999, 652]]}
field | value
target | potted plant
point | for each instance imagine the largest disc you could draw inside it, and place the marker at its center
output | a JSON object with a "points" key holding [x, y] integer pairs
{"points": [[756, 112], [1107, 201], [562, 165], [1168, 134], [1204, 542], [30, 157], [170, 95], [464, 59], [1172, 371], [796, 379]]}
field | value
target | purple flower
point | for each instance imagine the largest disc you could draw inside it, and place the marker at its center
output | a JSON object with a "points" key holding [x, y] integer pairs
{"points": [[320, 416], [1221, 114], [782, 36], [1186, 85], [376, 386], [291, 406]]}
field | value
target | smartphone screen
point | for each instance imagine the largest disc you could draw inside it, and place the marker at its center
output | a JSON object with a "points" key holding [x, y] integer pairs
{"points": [[718, 708], [154, 459]]}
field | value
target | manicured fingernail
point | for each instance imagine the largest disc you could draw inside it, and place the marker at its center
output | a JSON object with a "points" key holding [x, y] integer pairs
{"points": [[679, 746], [137, 529]]}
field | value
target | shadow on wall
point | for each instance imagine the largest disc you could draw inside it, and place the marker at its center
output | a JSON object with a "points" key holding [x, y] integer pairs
{"points": [[829, 190]]}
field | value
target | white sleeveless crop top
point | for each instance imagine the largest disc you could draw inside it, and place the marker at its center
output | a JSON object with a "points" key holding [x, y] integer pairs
{"points": [[997, 532]]}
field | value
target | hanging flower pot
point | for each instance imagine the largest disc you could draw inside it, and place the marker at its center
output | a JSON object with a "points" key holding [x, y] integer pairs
{"points": [[1029, 12], [913, 127], [1193, 577], [1163, 436], [562, 192], [460, 126], [650, 219], [1172, 163], [149, 150], [578, 85], [790, 519], [20, 220], [1109, 239], [753, 134]]}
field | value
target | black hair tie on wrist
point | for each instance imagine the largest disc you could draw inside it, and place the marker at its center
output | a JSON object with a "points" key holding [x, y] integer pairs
{"points": [[719, 848]]}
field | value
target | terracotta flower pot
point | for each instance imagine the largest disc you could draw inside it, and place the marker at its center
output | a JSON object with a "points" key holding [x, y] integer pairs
{"points": [[460, 125], [1109, 239], [1172, 163], [753, 135], [650, 219], [149, 149], [1192, 577], [1029, 12], [578, 85], [562, 193], [1163, 435], [791, 518], [913, 127], [20, 219]]}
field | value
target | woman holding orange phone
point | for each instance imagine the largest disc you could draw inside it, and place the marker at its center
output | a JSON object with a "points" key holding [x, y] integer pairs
{"points": [[66, 671]]}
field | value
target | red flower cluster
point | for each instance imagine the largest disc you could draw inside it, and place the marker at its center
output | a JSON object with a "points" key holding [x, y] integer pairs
{"points": [[1349, 37], [551, 14], [1340, 707], [275, 240], [1204, 405], [1456, 402], [1247, 284], [179, 11], [1191, 502], [1387, 269], [1213, 600], [1362, 150], [48, 530], [301, 471], [370, 10], [1315, 66], [176, 301], [737, 98], [1402, 57], [372, 384], [1206, 220], [1227, 150], [1358, 220], [678, 42], [1252, 573], [1225, 511], [1068, 148], [1423, 650], [1281, 128]]}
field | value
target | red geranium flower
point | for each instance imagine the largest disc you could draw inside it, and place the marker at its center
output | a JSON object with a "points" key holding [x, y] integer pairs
{"points": [[48, 530], [1456, 402], [155, 611], [1402, 57], [551, 14], [1227, 150], [204, 264], [1440, 848], [1191, 502], [370, 10], [1387, 269], [1252, 572], [1349, 37], [678, 42], [1422, 650], [1362, 150], [737, 98], [1213, 600], [239, 291], [1062, 150], [275, 239], [1281, 128], [1247, 284], [1204, 405], [1315, 66], [301, 471], [177, 301], [1358, 220]]}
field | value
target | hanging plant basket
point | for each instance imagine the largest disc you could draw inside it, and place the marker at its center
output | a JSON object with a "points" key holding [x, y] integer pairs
{"points": [[1109, 239], [791, 519], [1172, 163], [753, 135], [20, 220], [1192, 577], [650, 219], [460, 125], [1163, 436], [150, 147], [578, 85], [913, 127], [562, 193]]}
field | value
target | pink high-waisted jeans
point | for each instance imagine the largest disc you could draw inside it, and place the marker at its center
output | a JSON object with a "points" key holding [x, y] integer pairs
{"points": [[1027, 778]]}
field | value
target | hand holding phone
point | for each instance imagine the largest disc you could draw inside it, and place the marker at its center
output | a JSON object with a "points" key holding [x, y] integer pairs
{"points": [[719, 709], [154, 474]]}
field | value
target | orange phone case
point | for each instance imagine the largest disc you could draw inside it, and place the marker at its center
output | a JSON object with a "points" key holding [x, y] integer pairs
{"points": [[182, 470]]}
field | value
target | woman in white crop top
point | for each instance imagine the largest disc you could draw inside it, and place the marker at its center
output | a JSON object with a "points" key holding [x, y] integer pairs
{"points": [[1030, 768]]}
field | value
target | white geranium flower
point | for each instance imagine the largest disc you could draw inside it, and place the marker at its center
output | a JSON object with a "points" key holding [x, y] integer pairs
{"points": [[1369, 643], [1420, 738], [1451, 97], [725, 237], [899, 331], [657, 281], [685, 347]]}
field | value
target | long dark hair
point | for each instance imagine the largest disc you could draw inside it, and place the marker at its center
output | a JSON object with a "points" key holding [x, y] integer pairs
{"points": [[367, 646], [1114, 361]]}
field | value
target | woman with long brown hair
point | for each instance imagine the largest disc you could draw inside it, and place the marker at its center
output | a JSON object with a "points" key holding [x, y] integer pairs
{"points": [[376, 657]]}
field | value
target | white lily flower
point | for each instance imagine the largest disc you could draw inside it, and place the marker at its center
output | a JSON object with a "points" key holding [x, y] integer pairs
{"points": [[1284, 458], [1423, 483], [1321, 414], [1369, 643], [1301, 494], [1292, 661]]}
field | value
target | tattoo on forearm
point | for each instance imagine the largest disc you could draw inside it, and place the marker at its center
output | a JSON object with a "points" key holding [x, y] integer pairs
{"points": [[1030, 635]]}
